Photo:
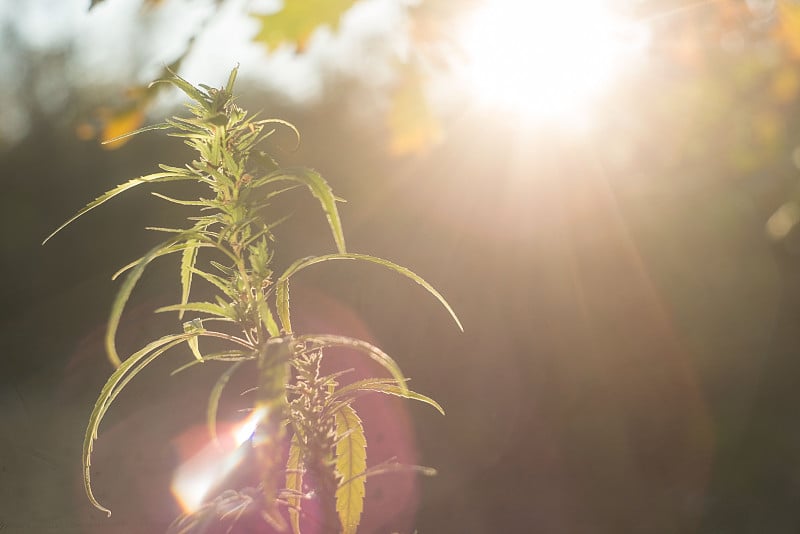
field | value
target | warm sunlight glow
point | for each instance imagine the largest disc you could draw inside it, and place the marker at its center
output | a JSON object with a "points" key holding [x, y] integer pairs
{"points": [[211, 464], [546, 59]]}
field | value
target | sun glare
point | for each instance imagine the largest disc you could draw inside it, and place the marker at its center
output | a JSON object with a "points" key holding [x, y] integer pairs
{"points": [[546, 59], [211, 464]]}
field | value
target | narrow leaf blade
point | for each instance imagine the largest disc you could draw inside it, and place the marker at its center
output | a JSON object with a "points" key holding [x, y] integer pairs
{"points": [[110, 390], [330, 340], [312, 260], [215, 396], [122, 298], [191, 91], [322, 192], [195, 326], [167, 250], [187, 265], [377, 385], [202, 307], [121, 188], [282, 302], [159, 126]]}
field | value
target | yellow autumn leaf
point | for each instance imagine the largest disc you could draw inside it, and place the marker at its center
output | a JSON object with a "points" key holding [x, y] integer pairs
{"points": [[789, 25], [768, 127], [297, 20], [412, 125], [119, 124], [351, 462], [785, 84]]}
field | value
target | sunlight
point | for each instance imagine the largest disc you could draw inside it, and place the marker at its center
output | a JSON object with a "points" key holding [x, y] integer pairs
{"points": [[211, 464], [546, 59]]}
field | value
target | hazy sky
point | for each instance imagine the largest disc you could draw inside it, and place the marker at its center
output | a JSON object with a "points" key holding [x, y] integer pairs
{"points": [[119, 42]]}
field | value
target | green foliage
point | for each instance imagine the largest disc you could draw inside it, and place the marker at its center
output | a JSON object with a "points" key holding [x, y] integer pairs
{"points": [[297, 20], [412, 122], [293, 400]]}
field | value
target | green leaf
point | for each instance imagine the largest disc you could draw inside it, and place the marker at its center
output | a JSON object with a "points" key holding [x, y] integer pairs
{"points": [[187, 264], [167, 250], [223, 285], [124, 293], [223, 356], [322, 191], [231, 80], [164, 229], [281, 122], [215, 395], [267, 318], [351, 461], [294, 483], [389, 387], [195, 326], [115, 383], [150, 178], [282, 302], [392, 466], [202, 307], [330, 340], [297, 20], [191, 91], [160, 126], [181, 202], [312, 260]]}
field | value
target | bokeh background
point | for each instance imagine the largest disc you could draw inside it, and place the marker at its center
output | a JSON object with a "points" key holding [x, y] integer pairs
{"points": [[623, 254]]}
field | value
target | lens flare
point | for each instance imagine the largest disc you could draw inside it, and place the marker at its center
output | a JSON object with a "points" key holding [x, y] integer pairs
{"points": [[212, 463], [546, 60]]}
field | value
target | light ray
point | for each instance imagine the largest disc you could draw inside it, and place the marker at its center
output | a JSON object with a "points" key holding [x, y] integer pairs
{"points": [[212, 463]]}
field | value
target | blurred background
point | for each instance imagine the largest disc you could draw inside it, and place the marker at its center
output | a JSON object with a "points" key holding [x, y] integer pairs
{"points": [[605, 191]]}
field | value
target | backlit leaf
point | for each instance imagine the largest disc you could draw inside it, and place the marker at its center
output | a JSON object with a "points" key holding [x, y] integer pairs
{"points": [[331, 340], [223, 356], [117, 127], [118, 379], [150, 178], [222, 284], [267, 319], [202, 307], [165, 251], [388, 387], [194, 326], [322, 191], [282, 300], [351, 461], [214, 396], [294, 23], [122, 298], [187, 264], [311, 260], [190, 90], [130, 133]]}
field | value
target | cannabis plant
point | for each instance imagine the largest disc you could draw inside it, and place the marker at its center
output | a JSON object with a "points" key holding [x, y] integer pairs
{"points": [[229, 244]]}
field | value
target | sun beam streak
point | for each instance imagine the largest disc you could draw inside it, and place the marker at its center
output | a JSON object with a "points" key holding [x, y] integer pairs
{"points": [[211, 464]]}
